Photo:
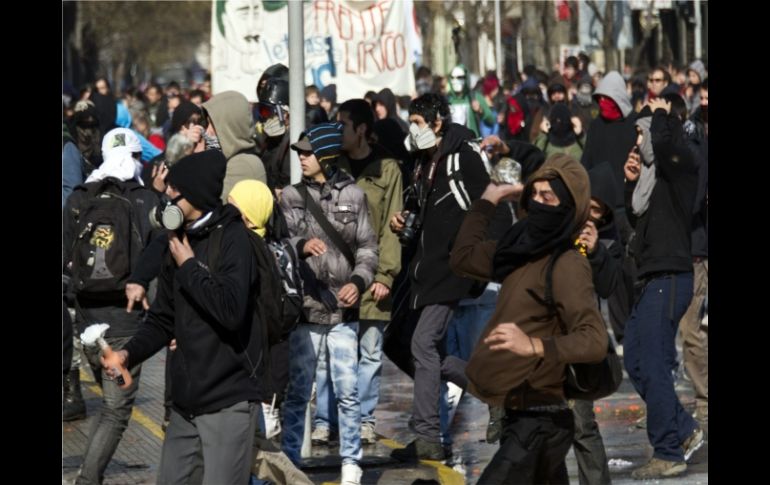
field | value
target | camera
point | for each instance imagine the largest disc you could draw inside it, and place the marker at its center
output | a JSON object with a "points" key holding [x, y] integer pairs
{"points": [[412, 227]]}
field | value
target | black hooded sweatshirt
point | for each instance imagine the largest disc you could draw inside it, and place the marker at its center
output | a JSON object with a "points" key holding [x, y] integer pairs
{"points": [[388, 99], [663, 232], [433, 282], [211, 316], [606, 260]]}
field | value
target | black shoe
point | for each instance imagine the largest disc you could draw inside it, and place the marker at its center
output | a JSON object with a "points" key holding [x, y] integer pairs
{"points": [[73, 406], [419, 449]]}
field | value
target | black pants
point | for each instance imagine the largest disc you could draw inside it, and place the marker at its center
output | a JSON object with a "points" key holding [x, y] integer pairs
{"points": [[67, 345], [532, 449], [589, 446]]}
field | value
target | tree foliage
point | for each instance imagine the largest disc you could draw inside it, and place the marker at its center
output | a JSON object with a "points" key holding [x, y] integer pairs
{"points": [[147, 34]]}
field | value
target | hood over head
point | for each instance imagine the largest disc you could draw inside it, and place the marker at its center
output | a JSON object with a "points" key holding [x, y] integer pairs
{"points": [[231, 115], [614, 87], [574, 177]]}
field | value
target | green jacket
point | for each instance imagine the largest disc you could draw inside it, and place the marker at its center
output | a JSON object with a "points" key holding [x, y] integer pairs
{"points": [[575, 150], [381, 181]]}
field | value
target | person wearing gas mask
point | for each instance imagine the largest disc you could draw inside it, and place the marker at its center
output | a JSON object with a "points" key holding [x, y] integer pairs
{"points": [[449, 175], [230, 122], [119, 174], [274, 110], [469, 108], [207, 305]]}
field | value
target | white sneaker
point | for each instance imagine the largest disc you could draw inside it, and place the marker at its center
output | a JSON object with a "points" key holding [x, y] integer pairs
{"points": [[351, 474], [320, 436], [272, 420], [368, 437], [453, 395]]}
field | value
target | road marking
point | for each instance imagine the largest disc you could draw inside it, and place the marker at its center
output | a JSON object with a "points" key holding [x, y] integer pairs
{"points": [[446, 475], [136, 414]]}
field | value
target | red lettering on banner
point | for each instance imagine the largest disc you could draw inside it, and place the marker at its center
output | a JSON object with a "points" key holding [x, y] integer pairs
{"points": [[384, 8], [388, 53], [347, 22]]}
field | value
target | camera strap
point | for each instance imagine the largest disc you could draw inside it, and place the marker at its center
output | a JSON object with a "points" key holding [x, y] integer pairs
{"points": [[424, 190], [327, 227]]}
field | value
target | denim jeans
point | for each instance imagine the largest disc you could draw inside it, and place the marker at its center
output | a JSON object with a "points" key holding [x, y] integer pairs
{"points": [[108, 425], [650, 360], [369, 370], [470, 318], [341, 344]]}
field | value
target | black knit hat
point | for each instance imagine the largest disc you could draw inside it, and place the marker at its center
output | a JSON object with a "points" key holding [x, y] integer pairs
{"points": [[199, 178], [182, 113]]}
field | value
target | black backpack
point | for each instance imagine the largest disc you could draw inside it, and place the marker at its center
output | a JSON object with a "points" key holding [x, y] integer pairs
{"points": [[107, 243], [583, 381], [279, 301]]}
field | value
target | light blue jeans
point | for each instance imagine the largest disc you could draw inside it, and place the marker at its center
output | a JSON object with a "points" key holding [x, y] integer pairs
{"points": [[369, 370], [341, 345]]}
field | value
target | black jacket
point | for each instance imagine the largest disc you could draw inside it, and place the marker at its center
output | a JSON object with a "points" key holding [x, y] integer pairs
{"points": [[606, 260], [663, 232], [700, 218], [211, 315], [431, 278], [610, 141]]}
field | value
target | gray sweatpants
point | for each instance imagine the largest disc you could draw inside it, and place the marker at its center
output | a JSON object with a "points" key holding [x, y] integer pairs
{"points": [[222, 441], [430, 367]]}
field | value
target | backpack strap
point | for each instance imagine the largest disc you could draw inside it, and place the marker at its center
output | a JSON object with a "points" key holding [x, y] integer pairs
{"points": [[327, 227], [547, 300]]}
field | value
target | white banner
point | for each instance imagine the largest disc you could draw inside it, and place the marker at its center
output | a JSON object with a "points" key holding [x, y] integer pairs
{"points": [[357, 45]]}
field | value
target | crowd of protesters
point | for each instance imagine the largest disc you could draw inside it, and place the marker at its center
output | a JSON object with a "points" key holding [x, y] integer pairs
{"points": [[405, 247]]}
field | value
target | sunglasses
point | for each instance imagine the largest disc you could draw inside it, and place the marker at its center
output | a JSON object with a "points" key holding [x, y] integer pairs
{"points": [[458, 77]]}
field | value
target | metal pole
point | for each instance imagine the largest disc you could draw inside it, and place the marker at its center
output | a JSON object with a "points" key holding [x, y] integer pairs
{"points": [[498, 43], [296, 82], [682, 28], [698, 39], [519, 61]]}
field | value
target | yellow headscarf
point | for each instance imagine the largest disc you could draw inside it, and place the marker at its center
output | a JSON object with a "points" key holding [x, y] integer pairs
{"points": [[255, 201]]}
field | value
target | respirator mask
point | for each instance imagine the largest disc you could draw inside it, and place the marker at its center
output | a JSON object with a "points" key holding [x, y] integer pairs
{"points": [[421, 139], [167, 215]]}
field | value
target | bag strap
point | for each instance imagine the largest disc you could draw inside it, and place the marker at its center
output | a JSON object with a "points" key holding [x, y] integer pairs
{"points": [[327, 227]]}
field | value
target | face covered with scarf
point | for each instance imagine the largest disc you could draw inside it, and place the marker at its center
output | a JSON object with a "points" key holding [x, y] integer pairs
{"points": [[547, 227], [255, 201]]}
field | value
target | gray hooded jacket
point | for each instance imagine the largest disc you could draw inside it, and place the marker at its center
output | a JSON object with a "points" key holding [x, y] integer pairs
{"points": [[231, 115], [613, 86]]}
